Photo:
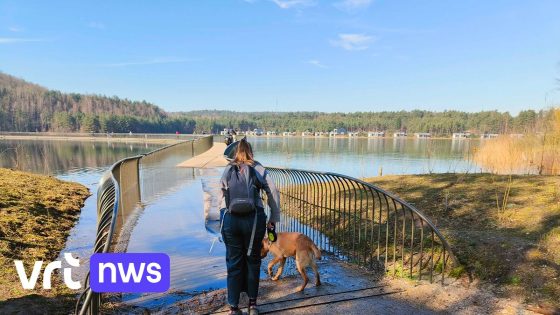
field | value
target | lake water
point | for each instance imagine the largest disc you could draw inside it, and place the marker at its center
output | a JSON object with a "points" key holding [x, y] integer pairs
{"points": [[171, 217], [366, 157]]}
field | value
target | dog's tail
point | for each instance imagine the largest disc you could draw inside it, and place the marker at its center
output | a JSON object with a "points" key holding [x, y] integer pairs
{"points": [[316, 251]]}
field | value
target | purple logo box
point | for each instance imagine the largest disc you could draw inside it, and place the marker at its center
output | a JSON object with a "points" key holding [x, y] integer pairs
{"points": [[129, 272]]}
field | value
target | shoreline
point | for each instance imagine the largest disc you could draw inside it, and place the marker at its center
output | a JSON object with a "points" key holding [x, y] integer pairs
{"points": [[364, 137], [91, 139], [170, 138]]}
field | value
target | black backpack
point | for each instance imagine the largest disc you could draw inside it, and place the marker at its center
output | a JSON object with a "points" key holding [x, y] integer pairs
{"points": [[243, 189]]}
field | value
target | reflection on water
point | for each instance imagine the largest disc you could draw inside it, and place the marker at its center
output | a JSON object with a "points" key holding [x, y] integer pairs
{"points": [[65, 157], [366, 157]]}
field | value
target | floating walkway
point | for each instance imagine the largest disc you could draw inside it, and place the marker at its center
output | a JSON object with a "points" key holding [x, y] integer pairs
{"points": [[209, 159]]}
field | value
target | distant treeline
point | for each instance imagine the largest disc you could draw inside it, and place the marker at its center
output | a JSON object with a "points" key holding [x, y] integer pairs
{"points": [[29, 107], [438, 123]]}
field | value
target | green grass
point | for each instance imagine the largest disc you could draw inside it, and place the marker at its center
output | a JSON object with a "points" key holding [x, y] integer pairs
{"points": [[36, 215], [504, 230]]}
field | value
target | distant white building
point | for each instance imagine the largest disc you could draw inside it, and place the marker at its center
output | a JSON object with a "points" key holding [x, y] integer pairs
{"points": [[271, 133], [319, 134], [306, 133], [461, 135], [400, 134], [288, 134], [422, 135], [376, 134], [258, 132], [353, 134], [337, 132], [489, 136]]}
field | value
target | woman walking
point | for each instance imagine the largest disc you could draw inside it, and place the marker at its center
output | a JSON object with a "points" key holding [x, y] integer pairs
{"points": [[244, 223]]}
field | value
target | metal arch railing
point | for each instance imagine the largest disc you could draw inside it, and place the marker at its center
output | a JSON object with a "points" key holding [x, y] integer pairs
{"points": [[362, 223], [118, 194], [108, 195]]}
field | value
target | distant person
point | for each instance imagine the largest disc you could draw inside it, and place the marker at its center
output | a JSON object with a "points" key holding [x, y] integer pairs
{"points": [[244, 224], [229, 138]]}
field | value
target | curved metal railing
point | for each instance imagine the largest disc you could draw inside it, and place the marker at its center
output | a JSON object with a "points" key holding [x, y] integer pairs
{"points": [[118, 194], [362, 223]]}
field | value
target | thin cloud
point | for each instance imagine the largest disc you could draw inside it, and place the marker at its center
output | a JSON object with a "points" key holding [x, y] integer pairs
{"points": [[352, 5], [96, 25], [155, 61], [288, 4], [15, 29], [13, 40], [410, 31], [353, 41], [317, 63]]}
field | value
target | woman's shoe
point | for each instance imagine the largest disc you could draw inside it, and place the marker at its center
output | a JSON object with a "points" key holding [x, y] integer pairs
{"points": [[253, 310], [235, 311]]}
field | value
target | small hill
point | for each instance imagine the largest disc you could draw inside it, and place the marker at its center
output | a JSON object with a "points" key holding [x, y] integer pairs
{"points": [[25, 106]]}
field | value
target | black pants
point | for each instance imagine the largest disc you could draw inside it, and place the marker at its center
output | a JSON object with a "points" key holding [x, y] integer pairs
{"points": [[243, 272]]}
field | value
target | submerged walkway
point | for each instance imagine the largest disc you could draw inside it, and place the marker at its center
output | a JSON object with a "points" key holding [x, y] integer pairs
{"points": [[209, 159]]}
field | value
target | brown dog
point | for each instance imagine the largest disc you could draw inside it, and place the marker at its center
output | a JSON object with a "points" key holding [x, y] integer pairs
{"points": [[293, 244]]}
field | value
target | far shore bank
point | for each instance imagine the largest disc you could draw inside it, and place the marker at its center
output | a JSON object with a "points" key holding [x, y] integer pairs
{"points": [[170, 138], [361, 137], [70, 137]]}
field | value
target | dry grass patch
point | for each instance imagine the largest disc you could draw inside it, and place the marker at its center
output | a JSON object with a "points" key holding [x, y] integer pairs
{"points": [[504, 229], [36, 215]]}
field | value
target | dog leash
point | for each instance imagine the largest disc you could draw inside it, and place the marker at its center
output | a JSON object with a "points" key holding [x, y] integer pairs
{"points": [[219, 237]]}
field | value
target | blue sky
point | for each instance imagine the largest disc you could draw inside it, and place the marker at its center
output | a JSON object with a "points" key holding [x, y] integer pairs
{"points": [[344, 55]]}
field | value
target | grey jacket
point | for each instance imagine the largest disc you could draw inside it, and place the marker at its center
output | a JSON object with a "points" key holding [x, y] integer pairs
{"points": [[267, 185]]}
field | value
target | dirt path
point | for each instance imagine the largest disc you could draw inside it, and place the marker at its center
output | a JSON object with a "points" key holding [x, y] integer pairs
{"points": [[348, 289]]}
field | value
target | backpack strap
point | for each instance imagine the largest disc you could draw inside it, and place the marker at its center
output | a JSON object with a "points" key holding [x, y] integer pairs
{"points": [[259, 180], [225, 179], [258, 184], [227, 174]]}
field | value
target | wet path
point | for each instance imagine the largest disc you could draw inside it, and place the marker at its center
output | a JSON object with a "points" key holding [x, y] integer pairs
{"points": [[173, 222], [345, 289]]}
